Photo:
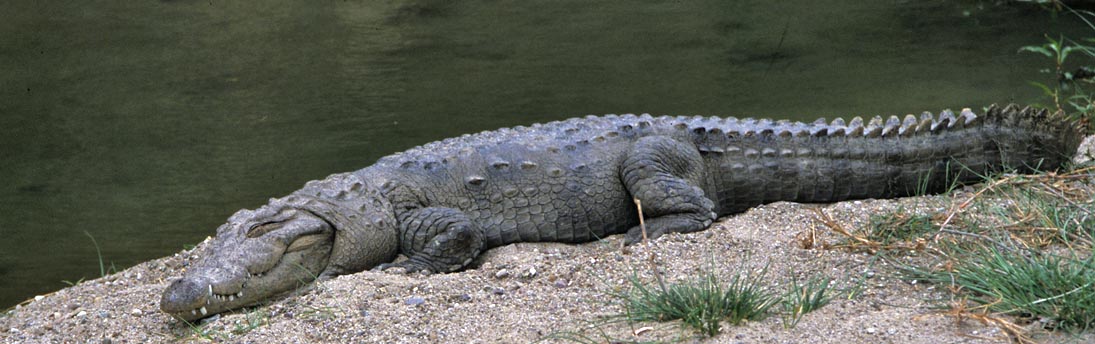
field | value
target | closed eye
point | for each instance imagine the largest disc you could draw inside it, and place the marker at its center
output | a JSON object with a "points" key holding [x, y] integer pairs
{"points": [[261, 229]]}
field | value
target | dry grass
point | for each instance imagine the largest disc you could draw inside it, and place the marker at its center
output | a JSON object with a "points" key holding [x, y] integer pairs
{"points": [[1019, 246]]}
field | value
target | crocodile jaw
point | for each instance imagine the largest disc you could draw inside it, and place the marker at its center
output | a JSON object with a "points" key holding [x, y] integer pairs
{"points": [[244, 269]]}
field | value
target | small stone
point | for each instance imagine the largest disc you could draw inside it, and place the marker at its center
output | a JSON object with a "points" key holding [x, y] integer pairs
{"points": [[871, 330], [81, 314], [39, 297], [501, 273], [211, 319], [136, 311], [498, 291], [559, 283], [530, 273], [414, 301], [13, 330]]}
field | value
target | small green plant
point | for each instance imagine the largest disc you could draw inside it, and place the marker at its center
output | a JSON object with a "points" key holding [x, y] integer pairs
{"points": [[98, 253], [701, 304], [894, 231], [103, 270], [1007, 281], [931, 182], [1070, 77], [73, 284], [1041, 218], [204, 331], [899, 226], [1068, 86], [252, 321], [319, 313], [804, 298], [207, 331], [1027, 253]]}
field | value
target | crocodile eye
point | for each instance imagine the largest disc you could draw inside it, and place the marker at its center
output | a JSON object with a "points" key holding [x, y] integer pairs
{"points": [[261, 229]]}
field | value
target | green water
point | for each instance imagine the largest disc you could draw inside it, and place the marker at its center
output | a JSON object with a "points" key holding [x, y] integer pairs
{"points": [[145, 124]]}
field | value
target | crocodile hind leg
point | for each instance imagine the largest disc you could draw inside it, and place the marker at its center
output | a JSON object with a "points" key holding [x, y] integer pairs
{"points": [[436, 239], [665, 175]]}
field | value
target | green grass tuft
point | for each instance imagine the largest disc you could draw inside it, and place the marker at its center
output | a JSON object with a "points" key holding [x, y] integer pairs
{"points": [[99, 253], [1048, 217], [899, 226], [214, 331], [804, 298], [1028, 254], [1053, 288], [252, 321], [701, 304]]}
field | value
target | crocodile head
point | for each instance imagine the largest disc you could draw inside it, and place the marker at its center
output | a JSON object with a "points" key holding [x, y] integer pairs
{"points": [[256, 255], [319, 232]]}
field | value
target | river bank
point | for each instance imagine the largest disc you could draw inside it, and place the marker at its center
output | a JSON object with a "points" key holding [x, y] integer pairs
{"points": [[528, 292]]}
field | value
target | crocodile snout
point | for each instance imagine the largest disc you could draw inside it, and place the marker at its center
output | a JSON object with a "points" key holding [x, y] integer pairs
{"points": [[184, 295]]}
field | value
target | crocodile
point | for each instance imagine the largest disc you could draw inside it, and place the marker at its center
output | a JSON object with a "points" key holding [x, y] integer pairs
{"points": [[441, 204]]}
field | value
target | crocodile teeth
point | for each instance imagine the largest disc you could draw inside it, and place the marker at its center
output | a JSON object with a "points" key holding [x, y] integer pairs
{"points": [[210, 290], [231, 297], [204, 312], [239, 294], [194, 311]]}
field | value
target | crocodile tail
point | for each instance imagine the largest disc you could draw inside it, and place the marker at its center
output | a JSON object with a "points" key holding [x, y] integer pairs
{"points": [[1054, 137]]}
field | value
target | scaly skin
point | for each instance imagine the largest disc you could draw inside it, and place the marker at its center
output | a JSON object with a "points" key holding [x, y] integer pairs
{"points": [[443, 203]]}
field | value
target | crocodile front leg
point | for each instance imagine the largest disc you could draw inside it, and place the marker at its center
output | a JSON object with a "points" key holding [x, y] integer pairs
{"points": [[665, 174], [436, 239]]}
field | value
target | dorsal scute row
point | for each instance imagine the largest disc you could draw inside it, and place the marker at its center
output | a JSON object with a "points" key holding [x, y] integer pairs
{"points": [[583, 131], [877, 126], [894, 126]]}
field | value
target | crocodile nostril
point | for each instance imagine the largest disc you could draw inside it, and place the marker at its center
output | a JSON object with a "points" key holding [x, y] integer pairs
{"points": [[184, 295]]}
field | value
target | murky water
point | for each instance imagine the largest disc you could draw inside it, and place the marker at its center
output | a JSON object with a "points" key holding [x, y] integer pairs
{"points": [[144, 125]]}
